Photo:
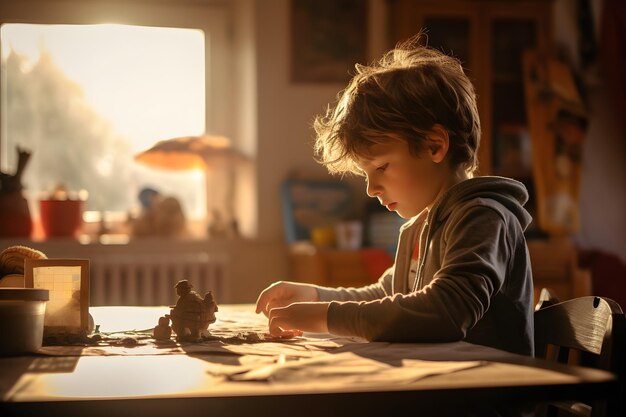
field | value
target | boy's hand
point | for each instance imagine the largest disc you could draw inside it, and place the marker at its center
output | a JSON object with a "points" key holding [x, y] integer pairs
{"points": [[297, 318], [283, 293]]}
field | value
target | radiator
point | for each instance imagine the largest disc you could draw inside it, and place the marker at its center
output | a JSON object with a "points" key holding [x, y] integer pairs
{"points": [[144, 280]]}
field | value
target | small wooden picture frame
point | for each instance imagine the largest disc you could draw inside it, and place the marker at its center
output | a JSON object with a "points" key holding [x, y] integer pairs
{"points": [[67, 311]]}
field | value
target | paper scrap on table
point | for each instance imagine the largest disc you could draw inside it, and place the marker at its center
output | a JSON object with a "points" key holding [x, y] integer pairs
{"points": [[350, 368], [302, 347]]}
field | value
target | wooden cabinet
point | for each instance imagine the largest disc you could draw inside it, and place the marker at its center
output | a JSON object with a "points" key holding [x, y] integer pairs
{"points": [[338, 268], [489, 38]]}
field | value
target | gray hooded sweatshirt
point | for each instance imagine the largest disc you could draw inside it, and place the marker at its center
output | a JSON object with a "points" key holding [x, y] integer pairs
{"points": [[474, 279]]}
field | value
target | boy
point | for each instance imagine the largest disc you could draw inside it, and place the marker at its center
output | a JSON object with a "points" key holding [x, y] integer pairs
{"points": [[409, 124]]}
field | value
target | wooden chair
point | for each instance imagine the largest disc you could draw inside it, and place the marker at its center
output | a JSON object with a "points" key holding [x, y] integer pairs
{"points": [[547, 297], [595, 328]]}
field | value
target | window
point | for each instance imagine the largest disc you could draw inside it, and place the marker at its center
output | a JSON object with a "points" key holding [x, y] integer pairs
{"points": [[86, 97]]}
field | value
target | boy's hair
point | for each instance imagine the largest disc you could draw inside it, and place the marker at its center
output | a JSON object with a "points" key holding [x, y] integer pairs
{"points": [[401, 97]]}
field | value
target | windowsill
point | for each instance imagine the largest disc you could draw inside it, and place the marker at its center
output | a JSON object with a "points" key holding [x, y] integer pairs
{"points": [[114, 232], [156, 242]]}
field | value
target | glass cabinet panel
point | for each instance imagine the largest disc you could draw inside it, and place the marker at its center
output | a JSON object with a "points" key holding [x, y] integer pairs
{"points": [[511, 144], [450, 35]]}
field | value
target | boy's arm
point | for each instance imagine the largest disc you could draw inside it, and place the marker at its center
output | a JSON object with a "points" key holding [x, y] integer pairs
{"points": [[374, 291], [473, 266]]}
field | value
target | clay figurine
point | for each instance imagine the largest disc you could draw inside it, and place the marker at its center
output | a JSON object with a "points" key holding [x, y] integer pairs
{"points": [[163, 331], [210, 305], [192, 313]]}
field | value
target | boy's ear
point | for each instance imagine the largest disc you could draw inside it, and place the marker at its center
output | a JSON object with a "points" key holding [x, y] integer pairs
{"points": [[438, 143]]}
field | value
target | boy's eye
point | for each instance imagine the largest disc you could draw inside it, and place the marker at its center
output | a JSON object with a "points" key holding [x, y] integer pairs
{"points": [[382, 167]]}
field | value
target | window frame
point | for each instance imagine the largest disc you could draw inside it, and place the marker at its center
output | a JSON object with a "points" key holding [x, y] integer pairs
{"points": [[213, 18]]}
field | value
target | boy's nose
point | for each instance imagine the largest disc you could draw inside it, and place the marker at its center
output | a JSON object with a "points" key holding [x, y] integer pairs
{"points": [[372, 189]]}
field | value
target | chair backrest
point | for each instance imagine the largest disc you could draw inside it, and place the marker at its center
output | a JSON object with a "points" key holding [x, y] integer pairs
{"points": [[547, 297], [593, 326]]}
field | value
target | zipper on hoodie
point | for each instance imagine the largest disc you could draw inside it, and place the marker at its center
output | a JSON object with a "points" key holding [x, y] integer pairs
{"points": [[423, 250]]}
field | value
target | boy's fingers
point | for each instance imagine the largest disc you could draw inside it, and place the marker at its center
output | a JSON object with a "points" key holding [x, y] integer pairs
{"points": [[267, 299], [279, 325], [262, 303], [287, 334], [275, 328], [259, 304], [266, 306]]}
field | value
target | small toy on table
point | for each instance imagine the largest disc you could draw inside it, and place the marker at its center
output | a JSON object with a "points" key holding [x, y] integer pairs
{"points": [[192, 313], [163, 331]]}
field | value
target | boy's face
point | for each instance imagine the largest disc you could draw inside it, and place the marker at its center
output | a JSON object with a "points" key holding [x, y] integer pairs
{"points": [[401, 181]]}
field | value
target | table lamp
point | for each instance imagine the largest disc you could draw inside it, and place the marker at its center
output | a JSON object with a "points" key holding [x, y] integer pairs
{"points": [[209, 153]]}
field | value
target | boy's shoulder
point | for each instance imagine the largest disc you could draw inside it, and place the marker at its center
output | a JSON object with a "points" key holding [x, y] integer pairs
{"points": [[491, 186], [503, 196], [479, 205]]}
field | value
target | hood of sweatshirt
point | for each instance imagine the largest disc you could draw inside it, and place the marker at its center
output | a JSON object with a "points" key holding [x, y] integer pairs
{"points": [[510, 193]]}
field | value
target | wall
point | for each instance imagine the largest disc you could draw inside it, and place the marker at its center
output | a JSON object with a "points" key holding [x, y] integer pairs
{"points": [[273, 124], [283, 111], [282, 114]]}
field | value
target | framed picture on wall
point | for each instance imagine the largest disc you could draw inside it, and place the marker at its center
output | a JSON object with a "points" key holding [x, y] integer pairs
{"points": [[328, 38], [311, 203]]}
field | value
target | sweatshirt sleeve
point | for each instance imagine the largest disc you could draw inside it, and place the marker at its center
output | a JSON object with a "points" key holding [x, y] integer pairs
{"points": [[377, 290], [474, 256]]}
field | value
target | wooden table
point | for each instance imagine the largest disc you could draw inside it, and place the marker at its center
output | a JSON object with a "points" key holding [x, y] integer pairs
{"points": [[316, 376]]}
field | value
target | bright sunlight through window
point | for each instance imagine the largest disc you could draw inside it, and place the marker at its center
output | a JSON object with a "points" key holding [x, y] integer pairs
{"points": [[84, 99]]}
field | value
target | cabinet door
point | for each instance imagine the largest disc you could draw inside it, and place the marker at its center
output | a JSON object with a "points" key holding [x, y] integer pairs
{"points": [[507, 31], [489, 39], [449, 26]]}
